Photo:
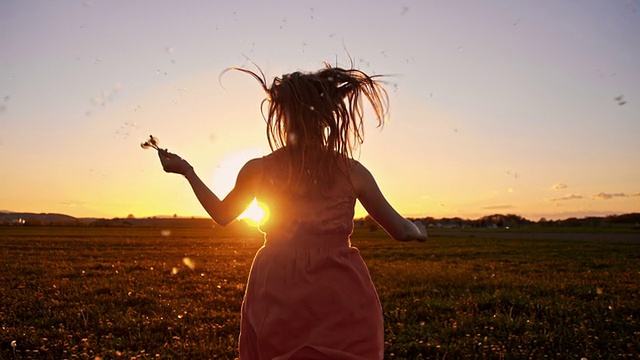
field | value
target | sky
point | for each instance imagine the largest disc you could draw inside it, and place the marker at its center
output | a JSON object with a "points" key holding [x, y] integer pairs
{"points": [[514, 107]]}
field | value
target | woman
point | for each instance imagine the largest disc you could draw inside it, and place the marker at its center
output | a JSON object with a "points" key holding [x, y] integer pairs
{"points": [[309, 294]]}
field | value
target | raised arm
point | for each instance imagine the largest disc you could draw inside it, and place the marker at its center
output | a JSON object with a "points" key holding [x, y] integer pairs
{"points": [[370, 196], [221, 211]]}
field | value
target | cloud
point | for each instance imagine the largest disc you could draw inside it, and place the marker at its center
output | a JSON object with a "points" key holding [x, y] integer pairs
{"points": [[559, 186], [606, 196], [498, 207], [567, 197]]}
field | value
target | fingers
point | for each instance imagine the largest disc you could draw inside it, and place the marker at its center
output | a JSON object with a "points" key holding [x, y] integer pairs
{"points": [[172, 163], [422, 229], [165, 159], [165, 155]]}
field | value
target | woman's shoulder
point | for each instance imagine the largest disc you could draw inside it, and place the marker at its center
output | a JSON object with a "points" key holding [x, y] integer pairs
{"points": [[275, 154], [259, 164], [355, 167], [360, 176], [253, 168]]}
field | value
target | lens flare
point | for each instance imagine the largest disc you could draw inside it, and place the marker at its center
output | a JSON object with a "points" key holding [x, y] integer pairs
{"points": [[256, 214]]}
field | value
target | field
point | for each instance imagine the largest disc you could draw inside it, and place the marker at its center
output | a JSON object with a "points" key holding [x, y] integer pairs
{"points": [[82, 293]]}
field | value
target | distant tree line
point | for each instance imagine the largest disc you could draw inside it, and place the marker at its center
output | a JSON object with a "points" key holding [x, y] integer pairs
{"points": [[489, 221], [516, 221]]}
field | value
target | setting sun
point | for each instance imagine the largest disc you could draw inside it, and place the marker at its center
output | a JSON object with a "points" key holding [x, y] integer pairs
{"points": [[255, 214]]}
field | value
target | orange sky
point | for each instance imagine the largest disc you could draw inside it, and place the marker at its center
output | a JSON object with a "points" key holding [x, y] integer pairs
{"points": [[529, 109]]}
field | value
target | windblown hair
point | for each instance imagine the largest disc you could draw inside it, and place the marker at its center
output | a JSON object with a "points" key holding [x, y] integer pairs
{"points": [[317, 119]]}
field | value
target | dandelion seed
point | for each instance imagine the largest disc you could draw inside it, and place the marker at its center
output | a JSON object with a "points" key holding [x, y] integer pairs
{"points": [[291, 138], [97, 101], [174, 271], [189, 263]]}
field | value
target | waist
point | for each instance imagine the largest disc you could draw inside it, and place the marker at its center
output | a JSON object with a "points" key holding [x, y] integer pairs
{"points": [[308, 241]]}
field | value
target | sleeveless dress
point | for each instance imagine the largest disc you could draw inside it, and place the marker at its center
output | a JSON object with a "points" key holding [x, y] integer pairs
{"points": [[309, 294]]}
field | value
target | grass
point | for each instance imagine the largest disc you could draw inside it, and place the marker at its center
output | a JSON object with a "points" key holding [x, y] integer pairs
{"points": [[68, 293]]}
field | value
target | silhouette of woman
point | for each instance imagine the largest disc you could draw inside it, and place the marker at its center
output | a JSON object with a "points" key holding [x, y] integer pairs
{"points": [[309, 294]]}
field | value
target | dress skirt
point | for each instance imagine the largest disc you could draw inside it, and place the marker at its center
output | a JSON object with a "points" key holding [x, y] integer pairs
{"points": [[310, 303]]}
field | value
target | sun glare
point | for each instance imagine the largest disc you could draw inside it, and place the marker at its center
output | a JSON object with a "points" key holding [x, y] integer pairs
{"points": [[255, 214], [226, 171]]}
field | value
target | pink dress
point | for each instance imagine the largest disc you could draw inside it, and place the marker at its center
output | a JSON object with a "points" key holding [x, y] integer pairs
{"points": [[309, 293]]}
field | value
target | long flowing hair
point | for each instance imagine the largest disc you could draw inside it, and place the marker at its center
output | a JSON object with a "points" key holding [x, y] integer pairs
{"points": [[317, 119]]}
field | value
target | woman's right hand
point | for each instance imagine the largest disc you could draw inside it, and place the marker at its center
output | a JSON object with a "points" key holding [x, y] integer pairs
{"points": [[422, 230], [172, 163]]}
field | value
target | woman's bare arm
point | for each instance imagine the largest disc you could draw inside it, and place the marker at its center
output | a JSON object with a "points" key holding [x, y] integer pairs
{"points": [[381, 211], [221, 211]]}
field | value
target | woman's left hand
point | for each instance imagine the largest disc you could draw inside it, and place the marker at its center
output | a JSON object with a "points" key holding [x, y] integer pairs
{"points": [[422, 237], [172, 163]]}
